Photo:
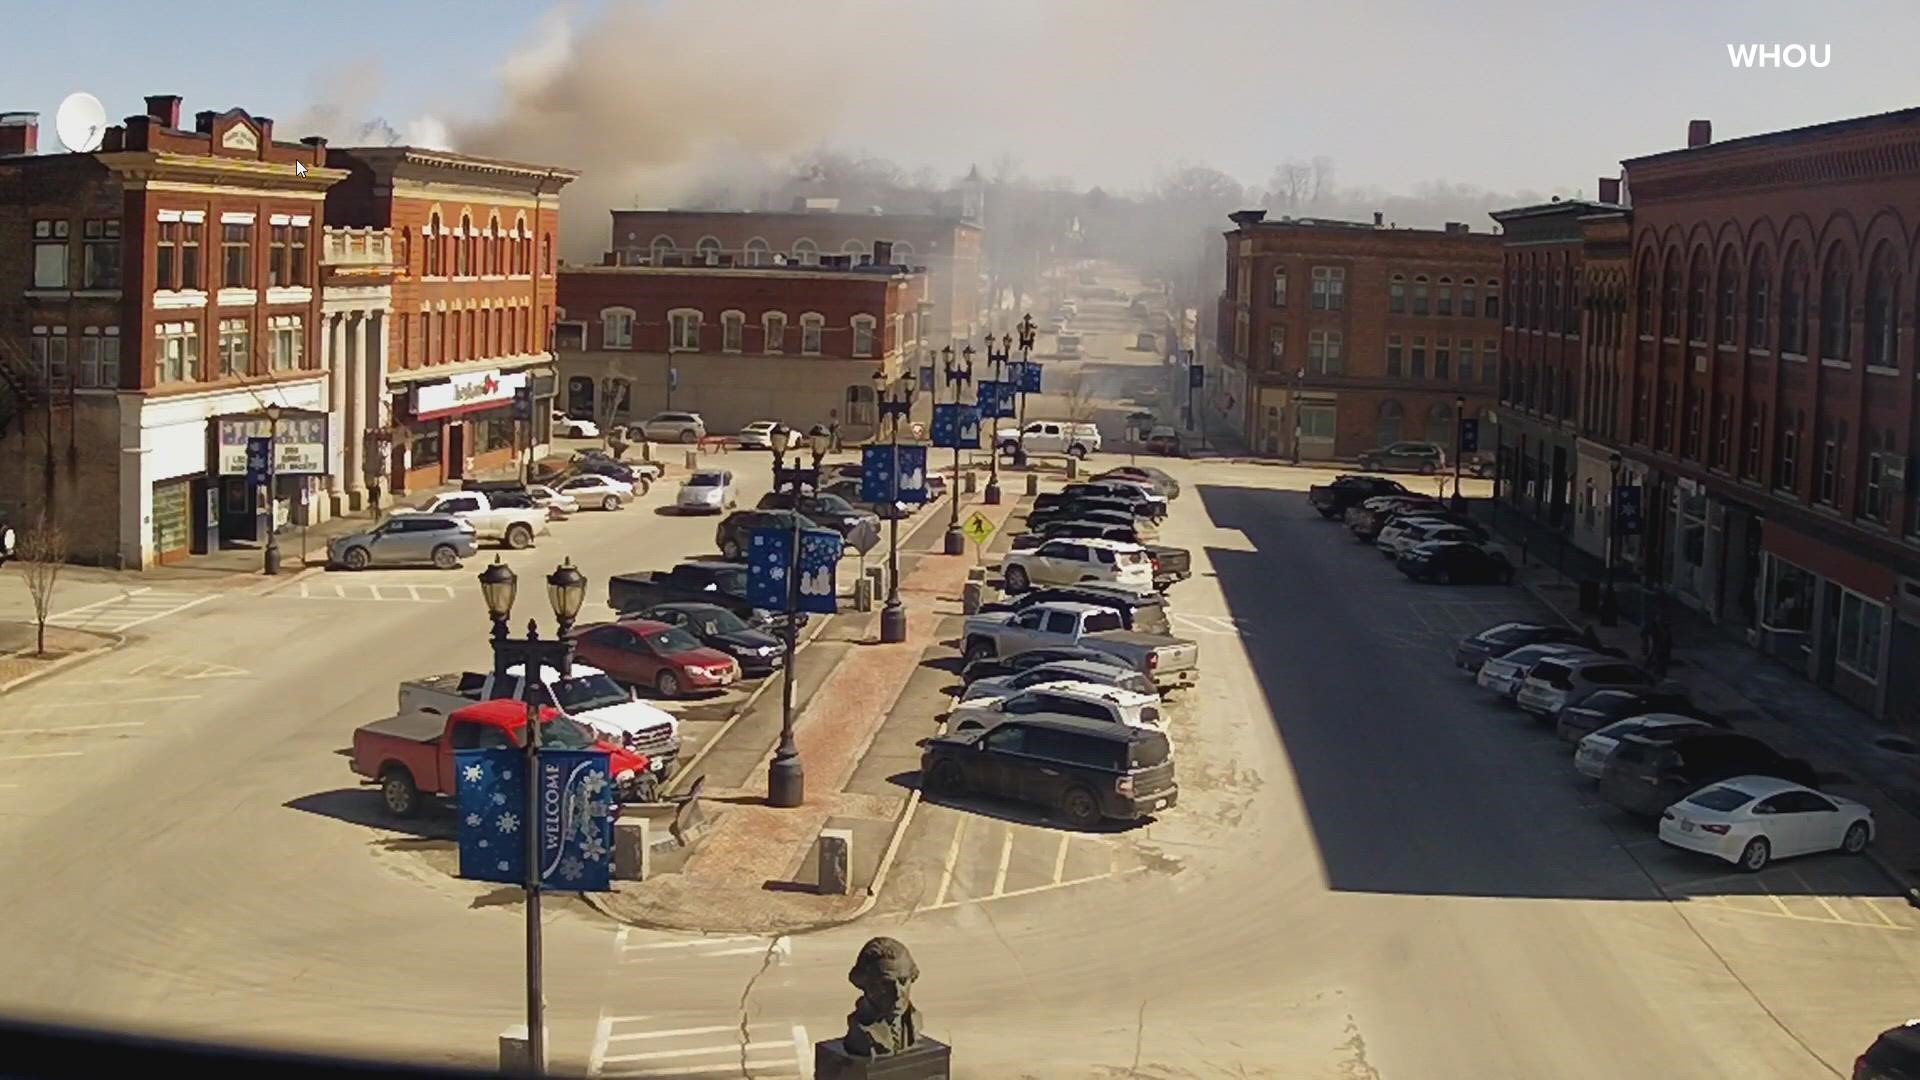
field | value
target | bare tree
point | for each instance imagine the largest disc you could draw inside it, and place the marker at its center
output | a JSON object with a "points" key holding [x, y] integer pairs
{"points": [[1080, 400], [615, 392], [42, 554]]}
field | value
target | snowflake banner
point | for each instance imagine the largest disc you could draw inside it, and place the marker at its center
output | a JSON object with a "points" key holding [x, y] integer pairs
{"points": [[877, 470], [1028, 377], [820, 551], [575, 826], [770, 559], [994, 398], [912, 464], [956, 427]]}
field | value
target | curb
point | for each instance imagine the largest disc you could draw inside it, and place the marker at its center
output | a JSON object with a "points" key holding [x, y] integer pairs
{"points": [[114, 642], [270, 585]]}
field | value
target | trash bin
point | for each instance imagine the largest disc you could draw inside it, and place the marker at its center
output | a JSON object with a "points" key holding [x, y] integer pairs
{"points": [[1589, 596]]}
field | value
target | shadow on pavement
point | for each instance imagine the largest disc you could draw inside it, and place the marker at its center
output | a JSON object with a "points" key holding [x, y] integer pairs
{"points": [[1012, 812], [361, 806]]}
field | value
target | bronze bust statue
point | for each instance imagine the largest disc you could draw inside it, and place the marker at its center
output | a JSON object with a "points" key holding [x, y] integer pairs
{"points": [[884, 1020]]}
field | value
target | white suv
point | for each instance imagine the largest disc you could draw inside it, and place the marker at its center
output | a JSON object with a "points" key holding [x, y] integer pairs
{"points": [[1072, 562], [1404, 534], [680, 427], [1050, 437], [1090, 700]]}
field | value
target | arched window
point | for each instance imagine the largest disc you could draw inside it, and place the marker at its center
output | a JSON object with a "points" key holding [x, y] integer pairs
{"points": [[435, 236], [406, 249], [773, 331], [1396, 293], [1670, 296], [661, 247], [1883, 310], [806, 252], [1443, 297], [1836, 307], [1729, 317], [1420, 294], [812, 329], [1279, 286], [708, 251], [757, 253], [463, 249], [1493, 298], [733, 333], [546, 253], [1643, 313], [1759, 294], [1469, 303], [902, 253], [1440, 425], [861, 252], [1387, 426], [1793, 304], [496, 247], [1697, 298]]}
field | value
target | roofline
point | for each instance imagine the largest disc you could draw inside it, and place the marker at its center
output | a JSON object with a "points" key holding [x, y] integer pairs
{"points": [[1831, 128], [1548, 209], [415, 155], [899, 273], [953, 219]]}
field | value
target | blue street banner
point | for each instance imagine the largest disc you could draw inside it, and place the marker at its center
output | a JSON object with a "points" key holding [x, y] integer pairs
{"points": [[968, 427], [1016, 373], [491, 799], [956, 426], [1627, 509], [876, 474], [257, 450], [1029, 378], [769, 554], [1469, 434], [819, 556], [523, 403], [576, 820], [926, 378], [1197, 376], [912, 468], [995, 398]]}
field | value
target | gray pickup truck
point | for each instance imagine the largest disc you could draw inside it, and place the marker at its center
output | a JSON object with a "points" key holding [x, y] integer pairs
{"points": [[1172, 663]]}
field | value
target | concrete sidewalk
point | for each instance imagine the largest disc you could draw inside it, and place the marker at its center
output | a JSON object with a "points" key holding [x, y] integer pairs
{"points": [[751, 870]]}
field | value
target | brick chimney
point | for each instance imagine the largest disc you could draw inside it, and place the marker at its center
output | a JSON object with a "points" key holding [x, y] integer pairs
{"points": [[165, 109], [883, 253], [19, 133], [1699, 133], [1379, 218], [1610, 190]]}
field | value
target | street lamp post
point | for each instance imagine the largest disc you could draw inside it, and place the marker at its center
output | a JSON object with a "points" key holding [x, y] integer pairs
{"points": [[566, 591], [271, 559], [992, 423], [895, 404], [786, 778], [1609, 600], [1029, 333], [958, 375], [1459, 419]]}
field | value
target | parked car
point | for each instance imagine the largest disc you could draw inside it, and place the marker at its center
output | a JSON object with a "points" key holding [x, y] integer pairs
{"points": [[587, 694], [1157, 479], [574, 427], [1503, 674], [830, 511], [1367, 519], [1169, 661], [558, 503], [1077, 671], [1001, 667], [1070, 562], [510, 526], [674, 427], [640, 474], [709, 491], [758, 435], [1476, 649], [594, 489], [411, 755], [1644, 776], [1591, 753], [1894, 1055], [1424, 458], [1136, 491], [734, 533], [1404, 534], [406, 540], [641, 652], [1455, 562], [1143, 528], [1146, 612], [1344, 492], [1164, 441], [707, 581], [1095, 701], [1751, 820], [850, 490], [1598, 708], [1555, 680], [755, 650], [1085, 770]]}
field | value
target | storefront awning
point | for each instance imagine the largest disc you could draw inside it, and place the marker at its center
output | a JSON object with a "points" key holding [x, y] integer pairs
{"points": [[1851, 571]]}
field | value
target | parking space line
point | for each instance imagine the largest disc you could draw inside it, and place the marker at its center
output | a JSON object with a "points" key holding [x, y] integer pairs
{"points": [[1006, 856], [802, 1060], [75, 727], [953, 857], [1031, 889], [1060, 858], [1873, 905], [688, 943], [1777, 902], [1804, 884], [1720, 902], [39, 757]]}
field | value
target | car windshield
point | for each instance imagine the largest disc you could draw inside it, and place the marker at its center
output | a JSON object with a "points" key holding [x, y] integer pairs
{"points": [[717, 621], [584, 692], [706, 479], [563, 733], [1720, 798], [672, 640]]}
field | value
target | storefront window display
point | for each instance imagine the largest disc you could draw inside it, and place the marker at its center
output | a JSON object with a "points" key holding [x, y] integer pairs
{"points": [[1690, 553], [1858, 648], [1789, 599]]}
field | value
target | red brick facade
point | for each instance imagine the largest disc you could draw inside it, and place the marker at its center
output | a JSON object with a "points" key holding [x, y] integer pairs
{"points": [[1360, 335]]}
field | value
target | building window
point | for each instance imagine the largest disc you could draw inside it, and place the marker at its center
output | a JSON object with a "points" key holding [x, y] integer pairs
{"points": [[286, 341], [431, 239], [1722, 430], [1443, 358], [1729, 292], [1759, 282], [811, 327], [902, 253], [1393, 355], [616, 328], [1276, 348], [176, 352], [1323, 352], [1387, 424], [1397, 294], [1883, 311], [757, 253], [1279, 286], [1241, 329], [1417, 359], [546, 253], [50, 254], [1329, 288], [49, 357], [707, 251], [1793, 305], [100, 254], [1643, 308], [1489, 362], [732, 329], [1750, 450], [863, 335], [1690, 430], [1876, 499], [685, 331], [1420, 294], [774, 326], [236, 255], [1493, 299], [1836, 309], [1466, 360], [99, 365], [1786, 452], [1670, 296], [1318, 421], [806, 253], [1469, 302], [461, 266], [287, 256], [236, 348], [1859, 640], [1440, 427], [1443, 297], [1827, 484], [1697, 299]]}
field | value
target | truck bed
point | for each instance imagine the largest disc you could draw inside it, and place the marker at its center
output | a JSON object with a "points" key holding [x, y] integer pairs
{"points": [[409, 727]]}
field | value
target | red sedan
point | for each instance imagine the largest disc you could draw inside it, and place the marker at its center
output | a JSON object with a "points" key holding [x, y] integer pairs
{"points": [[647, 653]]}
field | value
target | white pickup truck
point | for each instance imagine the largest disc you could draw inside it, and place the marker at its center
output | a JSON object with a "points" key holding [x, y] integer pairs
{"points": [[1050, 437], [1171, 662], [589, 695], [513, 526]]}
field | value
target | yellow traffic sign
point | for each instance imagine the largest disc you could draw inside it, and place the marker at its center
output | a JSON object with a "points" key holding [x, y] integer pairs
{"points": [[977, 528]]}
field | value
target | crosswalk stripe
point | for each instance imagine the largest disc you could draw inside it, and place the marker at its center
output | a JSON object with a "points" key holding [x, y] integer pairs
{"points": [[689, 943], [786, 1069], [697, 1051]]}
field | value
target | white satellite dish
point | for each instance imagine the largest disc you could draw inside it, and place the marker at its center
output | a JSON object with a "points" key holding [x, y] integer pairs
{"points": [[81, 123]]}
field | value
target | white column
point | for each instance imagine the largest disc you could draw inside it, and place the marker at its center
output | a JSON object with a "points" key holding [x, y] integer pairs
{"points": [[347, 345], [336, 416], [372, 386]]}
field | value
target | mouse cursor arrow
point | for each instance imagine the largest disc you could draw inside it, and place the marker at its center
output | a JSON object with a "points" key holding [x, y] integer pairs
{"points": [[299, 169]]}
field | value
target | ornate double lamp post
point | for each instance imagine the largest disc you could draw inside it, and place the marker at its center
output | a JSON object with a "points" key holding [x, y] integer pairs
{"points": [[896, 405], [999, 360], [786, 778], [958, 375]]}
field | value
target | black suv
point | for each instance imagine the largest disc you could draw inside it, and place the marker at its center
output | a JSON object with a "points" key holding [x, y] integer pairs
{"points": [[1086, 770], [1334, 499], [731, 536], [1645, 774], [1895, 1055], [831, 511]]}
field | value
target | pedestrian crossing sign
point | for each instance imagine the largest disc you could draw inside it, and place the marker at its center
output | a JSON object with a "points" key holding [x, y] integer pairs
{"points": [[977, 528]]}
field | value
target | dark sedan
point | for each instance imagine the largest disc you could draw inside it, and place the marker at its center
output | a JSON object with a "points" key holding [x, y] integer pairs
{"points": [[1585, 715], [1470, 652], [735, 531], [996, 667], [1456, 563], [757, 652], [831, 511]]}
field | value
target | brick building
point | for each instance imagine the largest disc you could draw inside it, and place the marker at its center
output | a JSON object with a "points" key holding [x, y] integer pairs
{"points": [[737, 344], [1349, 336], [156, 297], [1543, 385], [948, 246], [468, 317], [1771, 403], [1606, 264]]}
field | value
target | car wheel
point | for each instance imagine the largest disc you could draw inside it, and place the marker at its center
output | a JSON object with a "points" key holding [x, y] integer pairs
{"points": [[1078, 453], [611, 502], [519, 537], [1426, 468], [1016, 579], [947, 779], [357, 559], [979, 649], [668, 684], [1856, 839], [1755, 856], [642, 485], [1081, 807], [689, 438], [730, 548], [1444, 576], [398, 794], [446, 558]]}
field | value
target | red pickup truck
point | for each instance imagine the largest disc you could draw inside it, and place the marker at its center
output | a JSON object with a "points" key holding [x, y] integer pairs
{"points": [[412, 754]]}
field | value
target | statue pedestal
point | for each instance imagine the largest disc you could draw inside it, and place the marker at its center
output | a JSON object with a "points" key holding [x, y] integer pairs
{"points": [[924, 1060]]}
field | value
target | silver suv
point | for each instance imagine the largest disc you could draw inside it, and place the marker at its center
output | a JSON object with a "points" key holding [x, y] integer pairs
{"points": [[680, 427], [406, 540]]}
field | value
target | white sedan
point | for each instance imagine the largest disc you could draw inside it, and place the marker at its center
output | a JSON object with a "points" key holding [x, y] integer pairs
{"points": [[558, 503], [758, 435], [709, 491], [592, 489], [1751, 820], [573, 427]]}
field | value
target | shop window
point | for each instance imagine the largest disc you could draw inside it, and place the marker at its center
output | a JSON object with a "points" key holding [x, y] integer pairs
{"points": [[1789, 596], [1317, 421], [1387, 425], [425, 443], [1858, 645], [100, 254], [286, 341], [497, 433], [236, 348]]}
